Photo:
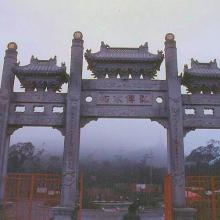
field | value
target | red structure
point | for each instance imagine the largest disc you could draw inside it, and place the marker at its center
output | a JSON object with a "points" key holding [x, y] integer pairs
{"points": [[168, 210], [30, 196]]}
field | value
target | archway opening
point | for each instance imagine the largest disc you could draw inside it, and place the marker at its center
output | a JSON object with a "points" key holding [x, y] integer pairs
{"points": [[123, 160], [36, 150], [202, 152]]}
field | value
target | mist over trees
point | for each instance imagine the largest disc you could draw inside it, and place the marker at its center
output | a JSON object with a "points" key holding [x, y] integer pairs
{"points": [[25, 157]]}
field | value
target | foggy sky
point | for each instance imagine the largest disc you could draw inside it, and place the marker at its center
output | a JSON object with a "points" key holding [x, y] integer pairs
{"points": [[45, 28]]}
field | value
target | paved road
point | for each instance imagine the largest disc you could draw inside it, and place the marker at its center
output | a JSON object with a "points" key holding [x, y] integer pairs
{"points": [[103, 215]]}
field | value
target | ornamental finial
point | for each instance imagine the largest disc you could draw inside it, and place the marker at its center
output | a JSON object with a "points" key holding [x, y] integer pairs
{"points": [[170, 37], [12, 46], [78, 35]]}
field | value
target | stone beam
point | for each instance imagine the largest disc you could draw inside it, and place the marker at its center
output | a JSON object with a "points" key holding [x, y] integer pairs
{"points": [[124, 112], [201, 99], [124, 85], [36, 97], [36, 119], [201, 123]]}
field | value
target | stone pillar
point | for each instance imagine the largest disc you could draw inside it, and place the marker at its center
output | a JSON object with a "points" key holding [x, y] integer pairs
{"points": [[175, 127], [7, 85], [69, 191], [4, 166]]}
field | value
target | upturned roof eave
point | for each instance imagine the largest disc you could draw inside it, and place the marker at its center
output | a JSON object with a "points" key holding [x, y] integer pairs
{"points": [[139, 56], [124, 59], [201, 75], [27, 70]]}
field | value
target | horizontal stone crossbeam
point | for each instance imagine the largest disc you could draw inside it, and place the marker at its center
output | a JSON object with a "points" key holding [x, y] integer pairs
{"points": [[201, 111], [112, 98]]}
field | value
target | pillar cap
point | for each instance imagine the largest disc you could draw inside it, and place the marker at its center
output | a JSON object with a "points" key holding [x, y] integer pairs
{"points": [[12, 46], [170, 37], [78, 35]]}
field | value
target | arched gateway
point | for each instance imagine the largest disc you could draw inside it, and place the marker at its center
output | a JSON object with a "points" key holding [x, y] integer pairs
{"points": [[129, 91]]}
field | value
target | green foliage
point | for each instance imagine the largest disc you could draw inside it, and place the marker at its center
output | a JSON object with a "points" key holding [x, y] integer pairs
{"points": [[24, 157]]}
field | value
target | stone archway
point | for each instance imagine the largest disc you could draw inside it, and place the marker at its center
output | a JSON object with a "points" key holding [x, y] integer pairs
{"points": [[124, 88]]}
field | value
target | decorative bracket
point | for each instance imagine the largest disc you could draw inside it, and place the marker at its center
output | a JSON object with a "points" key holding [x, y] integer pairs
{"points": [[85, 120], [187, 130], [162, 122], [12, 128], [61, 129]]}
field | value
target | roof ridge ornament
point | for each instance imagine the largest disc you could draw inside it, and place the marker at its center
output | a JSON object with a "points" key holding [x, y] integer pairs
{"points": [[104, 46], [144, 46]]}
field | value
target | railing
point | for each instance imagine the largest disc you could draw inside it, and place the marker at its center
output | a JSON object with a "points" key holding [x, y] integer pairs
{"points": [[203, 194], [31, 196]]}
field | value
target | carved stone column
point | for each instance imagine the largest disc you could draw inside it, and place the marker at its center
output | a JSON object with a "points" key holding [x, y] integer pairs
{"points": [[7, 85], [72, 133], [4, 108], [4, 164], [175, 129]]}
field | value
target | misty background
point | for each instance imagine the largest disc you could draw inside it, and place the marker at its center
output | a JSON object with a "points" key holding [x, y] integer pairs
{"points": [[45, 28]]}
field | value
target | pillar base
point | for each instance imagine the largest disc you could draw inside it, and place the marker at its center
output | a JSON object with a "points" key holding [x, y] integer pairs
{"points": [[184, 213], [2, 216], [62, 213]]}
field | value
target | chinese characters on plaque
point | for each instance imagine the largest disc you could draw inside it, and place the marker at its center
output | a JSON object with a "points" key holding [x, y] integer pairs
{"points": [[124, 99]]}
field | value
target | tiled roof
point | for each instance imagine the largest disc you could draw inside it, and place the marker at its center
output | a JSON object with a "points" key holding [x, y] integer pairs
{"points": [[40, 66], [131, 54], [203, 69]]}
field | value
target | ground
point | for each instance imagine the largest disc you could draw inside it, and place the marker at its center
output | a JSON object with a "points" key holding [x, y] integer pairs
{"points": [[104, 215]]}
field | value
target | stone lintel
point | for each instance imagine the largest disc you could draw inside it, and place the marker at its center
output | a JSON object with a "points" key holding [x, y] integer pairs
{"points": [[201, 99], [201, 123], [39, 97], [124, 112], [124, 84]]}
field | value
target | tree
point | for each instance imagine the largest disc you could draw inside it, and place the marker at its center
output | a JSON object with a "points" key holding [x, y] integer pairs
{"points": [[23, 157]]}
